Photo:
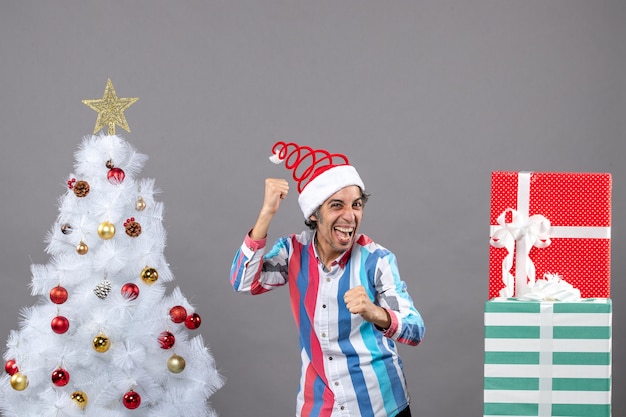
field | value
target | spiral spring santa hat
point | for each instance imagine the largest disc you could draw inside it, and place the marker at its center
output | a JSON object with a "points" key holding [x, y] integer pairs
{"points": [[318, 173]]}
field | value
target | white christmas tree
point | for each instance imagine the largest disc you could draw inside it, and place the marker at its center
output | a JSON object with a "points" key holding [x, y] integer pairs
{"points": [[105, 338]]}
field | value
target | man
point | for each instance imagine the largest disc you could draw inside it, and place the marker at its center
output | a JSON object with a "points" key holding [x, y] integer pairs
{"points": [[347, 298]]}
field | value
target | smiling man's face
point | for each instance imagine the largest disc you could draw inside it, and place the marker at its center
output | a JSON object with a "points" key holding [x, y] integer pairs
{"points": [[339, 219]]}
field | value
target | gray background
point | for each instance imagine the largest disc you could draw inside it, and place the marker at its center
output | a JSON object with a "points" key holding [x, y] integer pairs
{"points": [[425, 97]]}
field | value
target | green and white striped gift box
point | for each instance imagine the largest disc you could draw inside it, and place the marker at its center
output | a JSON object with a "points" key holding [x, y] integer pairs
{"points": [[547, 358]]}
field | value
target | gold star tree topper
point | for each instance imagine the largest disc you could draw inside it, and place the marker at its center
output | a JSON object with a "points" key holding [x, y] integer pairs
{"points": [[110, 110]]}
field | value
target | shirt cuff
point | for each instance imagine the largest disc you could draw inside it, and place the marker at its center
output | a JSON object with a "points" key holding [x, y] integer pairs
{"points": [[393, 327], [252, 244]]}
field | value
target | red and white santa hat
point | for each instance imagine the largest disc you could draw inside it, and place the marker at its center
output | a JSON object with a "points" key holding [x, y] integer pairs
{"points": [[318, 173]]}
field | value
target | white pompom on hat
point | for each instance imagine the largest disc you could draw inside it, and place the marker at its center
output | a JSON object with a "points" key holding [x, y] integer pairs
{"points": [[318, 173]]}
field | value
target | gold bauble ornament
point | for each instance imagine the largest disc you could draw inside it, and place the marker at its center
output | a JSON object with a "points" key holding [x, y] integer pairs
{"points": [[82, 248], [176, 364], [80, 398], [140, 205], [106, 230], [101, 343], [149, 275], [19, 381]]}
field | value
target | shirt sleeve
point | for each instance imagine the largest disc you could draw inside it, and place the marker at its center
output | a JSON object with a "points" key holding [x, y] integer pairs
{"points": [[254, 272], [407, 325]]}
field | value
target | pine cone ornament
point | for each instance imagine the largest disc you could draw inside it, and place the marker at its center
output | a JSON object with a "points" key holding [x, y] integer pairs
{"points": [[133, 229], [103, 289], [81, 188]]}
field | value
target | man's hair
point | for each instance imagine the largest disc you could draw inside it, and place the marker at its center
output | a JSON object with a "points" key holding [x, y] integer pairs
{"points": [[312, 224]]}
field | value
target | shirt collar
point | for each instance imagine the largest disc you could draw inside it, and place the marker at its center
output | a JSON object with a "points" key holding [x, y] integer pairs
{"points": [[341, 260]]}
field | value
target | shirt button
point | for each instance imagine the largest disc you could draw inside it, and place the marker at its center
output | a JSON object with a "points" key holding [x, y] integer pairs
{"points": [[336, 383], [323, 334], [341, 408], [330, 358], [327, 279], [323, 305]]}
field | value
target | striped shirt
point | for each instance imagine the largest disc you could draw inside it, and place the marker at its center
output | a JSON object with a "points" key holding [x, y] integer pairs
{"points": [[349, 367]]}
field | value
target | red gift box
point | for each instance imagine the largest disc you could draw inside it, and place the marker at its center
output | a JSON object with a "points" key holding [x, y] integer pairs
{"points": [[550, 223]]}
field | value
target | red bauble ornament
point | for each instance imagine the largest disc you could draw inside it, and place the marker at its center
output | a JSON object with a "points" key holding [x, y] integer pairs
{"points": [[58, 295], [130, 291], [178, 314], [60, 324], [166, 340], [116, 176], [131, 400], [11, 367], [60, 377], [193, 321]]}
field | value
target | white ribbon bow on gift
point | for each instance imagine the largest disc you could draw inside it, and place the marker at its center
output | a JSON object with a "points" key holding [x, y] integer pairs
{"points": [[523, 232], [551, 288]]}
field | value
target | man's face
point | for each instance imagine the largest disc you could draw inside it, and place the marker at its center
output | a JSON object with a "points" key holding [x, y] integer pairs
{"points": [[339, 219]]}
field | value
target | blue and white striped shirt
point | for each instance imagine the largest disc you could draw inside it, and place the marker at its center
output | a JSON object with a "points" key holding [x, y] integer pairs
{"points": [[349, 367]]}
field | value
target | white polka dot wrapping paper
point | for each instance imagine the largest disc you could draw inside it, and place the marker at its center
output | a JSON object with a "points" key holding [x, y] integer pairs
{"points": [[549, 222]]}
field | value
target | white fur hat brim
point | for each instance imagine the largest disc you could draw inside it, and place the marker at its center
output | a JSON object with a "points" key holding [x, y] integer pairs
{"points": [[326, 184]]}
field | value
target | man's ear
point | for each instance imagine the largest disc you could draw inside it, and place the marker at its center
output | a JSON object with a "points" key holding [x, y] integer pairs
{"points": [[313, 218]]}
